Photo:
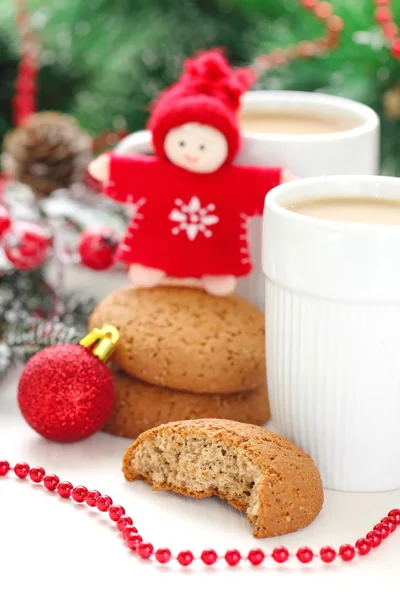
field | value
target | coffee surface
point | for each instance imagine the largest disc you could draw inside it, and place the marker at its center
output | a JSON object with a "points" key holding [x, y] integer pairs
{"points": [[295, 123], [351, 209]]}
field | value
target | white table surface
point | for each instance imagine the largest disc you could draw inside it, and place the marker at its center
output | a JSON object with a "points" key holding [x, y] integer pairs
{"points": [[53, 548]]}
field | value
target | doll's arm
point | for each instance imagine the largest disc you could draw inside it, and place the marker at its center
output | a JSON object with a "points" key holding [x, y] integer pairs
{"points": [[254, 182], [125, 177]]}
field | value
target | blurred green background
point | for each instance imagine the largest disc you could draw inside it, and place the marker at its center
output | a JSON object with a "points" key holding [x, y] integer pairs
{"points": [[104, 60]]}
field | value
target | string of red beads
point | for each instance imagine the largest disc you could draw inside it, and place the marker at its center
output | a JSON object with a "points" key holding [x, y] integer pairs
{"points": [[209, 557], [333, 24], [384, 18]]}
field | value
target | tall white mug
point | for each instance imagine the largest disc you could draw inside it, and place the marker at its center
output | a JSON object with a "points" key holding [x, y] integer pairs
{"points": [[346, 152], [333, 332]]}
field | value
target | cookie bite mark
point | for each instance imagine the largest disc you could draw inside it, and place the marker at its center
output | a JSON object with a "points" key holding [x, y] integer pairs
{"points": [[275, 483]]}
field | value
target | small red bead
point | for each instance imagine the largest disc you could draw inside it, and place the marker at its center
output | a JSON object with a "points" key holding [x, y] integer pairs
{"points": [[347, 552], [323, 10], [145, 550], [64, 489], [390, 522], [280, 554], [256, 556], [382, 2], [79, 493], [327, 554], [123, 522], [395, 513], [363, 546], [104, 503], [163, 555], [383, 530], [375, 538], [37, 474], [92, 497], [128, 530], [309, 4], [4, 467], [185, 558], [305, 555], [116, 512], [383, 14], [390, 30], [21, 470], [209, 557], [232, 557], [133, 540], [396, 48], [51, 482]]}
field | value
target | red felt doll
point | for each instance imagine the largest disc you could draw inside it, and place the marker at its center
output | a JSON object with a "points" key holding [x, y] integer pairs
{"points": [[190, 202]]}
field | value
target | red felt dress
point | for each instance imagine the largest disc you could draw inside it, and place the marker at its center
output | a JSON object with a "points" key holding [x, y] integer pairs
{"points": [[188, 224]]}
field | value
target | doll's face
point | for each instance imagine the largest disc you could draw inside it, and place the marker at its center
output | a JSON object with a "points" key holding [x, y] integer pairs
{"points": [[196, 147]]}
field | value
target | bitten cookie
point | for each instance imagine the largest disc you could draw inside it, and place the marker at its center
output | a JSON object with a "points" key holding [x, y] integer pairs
{"points": [[140, 406], [256, 471], [186, 339]]}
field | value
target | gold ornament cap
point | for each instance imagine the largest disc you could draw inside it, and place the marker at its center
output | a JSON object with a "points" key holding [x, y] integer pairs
{"points": [[101, 342]]}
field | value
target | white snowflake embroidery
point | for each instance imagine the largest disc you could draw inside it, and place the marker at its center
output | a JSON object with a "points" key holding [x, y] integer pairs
{"points": [[192, 218]]}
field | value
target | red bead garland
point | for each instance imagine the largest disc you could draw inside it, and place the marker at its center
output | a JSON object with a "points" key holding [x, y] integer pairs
{"points": [[384, 18], [209, 557]]}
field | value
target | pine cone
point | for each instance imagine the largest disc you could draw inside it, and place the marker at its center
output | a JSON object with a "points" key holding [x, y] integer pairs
{"points": [[47, 153]]}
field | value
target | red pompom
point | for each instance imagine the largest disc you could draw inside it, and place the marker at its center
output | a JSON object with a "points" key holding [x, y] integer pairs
{"points": [[97, 247], [26, 245], [65, 393]]}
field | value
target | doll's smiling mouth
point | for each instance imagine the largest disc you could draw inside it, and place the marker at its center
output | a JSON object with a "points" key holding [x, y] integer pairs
{"points": [[191, 158]]}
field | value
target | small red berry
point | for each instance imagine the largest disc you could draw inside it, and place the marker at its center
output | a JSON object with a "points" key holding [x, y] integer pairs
{"points": [[79, 493], [327, 554], [375, 538], [5, 219], [145, 550], [256, 556], [304, 554], [116, 512], [26, 245], [363, 546], [64, 489], [92, 497], [232, 557], [395, 513], [390, 522], [51, 482], [4, 467], [104, 503], [185, 558], [97, 247], [21, 470], [280, 554], [347, 552], [37, 474], [123, 522], [383, 530], [209, 557], [163, 555]]}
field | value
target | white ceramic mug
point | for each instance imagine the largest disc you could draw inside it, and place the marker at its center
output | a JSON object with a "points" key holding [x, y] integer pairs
{"points": [[333, 333], [345, 152]]}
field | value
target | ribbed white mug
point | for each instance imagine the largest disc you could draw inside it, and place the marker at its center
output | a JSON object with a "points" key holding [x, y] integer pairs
{"points": [[353, 151], [333, 332]]}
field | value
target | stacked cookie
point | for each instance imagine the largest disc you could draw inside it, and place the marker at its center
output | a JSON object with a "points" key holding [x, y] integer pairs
{"points": [[184, 354]]}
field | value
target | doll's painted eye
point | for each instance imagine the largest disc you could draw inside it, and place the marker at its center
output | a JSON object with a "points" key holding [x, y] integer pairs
{"points": [[202, 147], [182, 143]]}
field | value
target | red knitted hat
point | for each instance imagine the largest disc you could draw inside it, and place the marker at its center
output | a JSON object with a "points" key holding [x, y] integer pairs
{"points": [[207, 92]]}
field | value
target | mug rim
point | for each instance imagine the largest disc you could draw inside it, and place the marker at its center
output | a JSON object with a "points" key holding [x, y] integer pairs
{"points": [[255, 98], [334, 185]]}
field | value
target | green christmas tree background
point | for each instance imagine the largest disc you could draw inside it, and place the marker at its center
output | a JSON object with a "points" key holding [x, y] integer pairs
{"points": [[103, 61]]}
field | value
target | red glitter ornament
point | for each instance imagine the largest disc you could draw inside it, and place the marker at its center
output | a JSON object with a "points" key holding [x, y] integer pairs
{"points": [[66, 392]]}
